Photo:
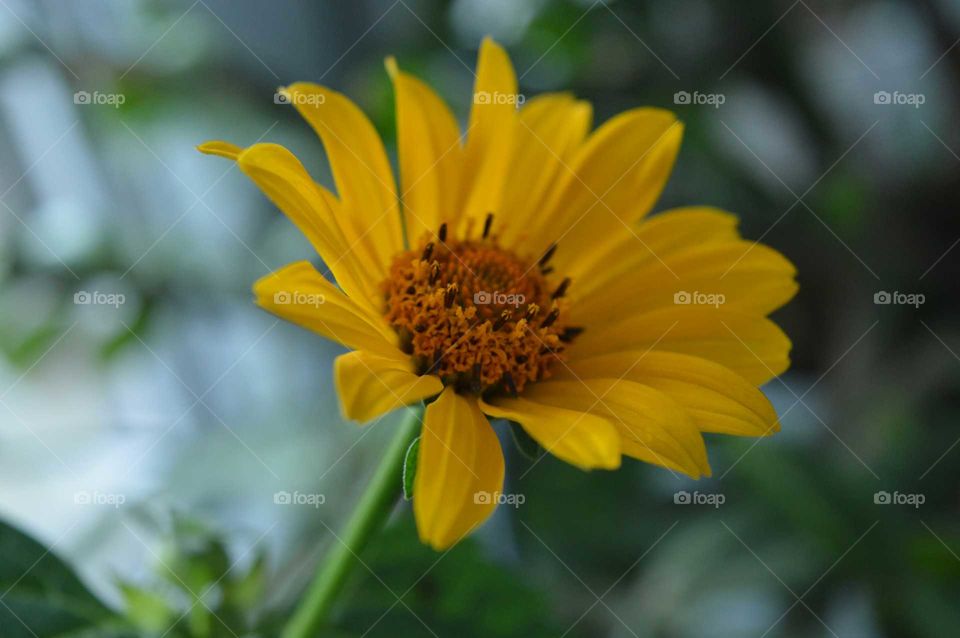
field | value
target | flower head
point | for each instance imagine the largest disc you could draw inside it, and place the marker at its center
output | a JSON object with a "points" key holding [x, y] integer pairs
{"points": [[515, 274]]}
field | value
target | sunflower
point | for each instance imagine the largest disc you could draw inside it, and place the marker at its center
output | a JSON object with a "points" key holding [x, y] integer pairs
{"points": [[516, 275]]}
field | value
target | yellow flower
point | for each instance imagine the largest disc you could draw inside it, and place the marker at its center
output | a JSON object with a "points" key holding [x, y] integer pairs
{"points": [[534, 288]]}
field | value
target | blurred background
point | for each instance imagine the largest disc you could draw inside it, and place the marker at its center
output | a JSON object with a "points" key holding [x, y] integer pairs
{"points": [[149, 413]]}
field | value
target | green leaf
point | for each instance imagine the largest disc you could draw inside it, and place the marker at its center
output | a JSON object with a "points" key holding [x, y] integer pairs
{"points": [[524, 442], [44, 598], [243, 593], [195, 558], [118, 630], [410, 468], [466, 594], [146, 609], [199, 620]]}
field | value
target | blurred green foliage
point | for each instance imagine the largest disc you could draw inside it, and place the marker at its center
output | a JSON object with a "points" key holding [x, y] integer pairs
{"points": [[43, 598], [799, 517]]}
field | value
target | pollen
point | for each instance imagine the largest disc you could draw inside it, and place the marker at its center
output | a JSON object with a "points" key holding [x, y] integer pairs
{"points": [[483, 318]]}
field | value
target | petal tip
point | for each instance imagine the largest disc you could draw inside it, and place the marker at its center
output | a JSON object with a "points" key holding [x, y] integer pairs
{"points": [[490, 46], [220, 148], [614, 464], [390, 63], [773, 429]]}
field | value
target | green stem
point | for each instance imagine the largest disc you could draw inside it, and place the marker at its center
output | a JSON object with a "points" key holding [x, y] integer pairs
{"points": [[368, 517]]}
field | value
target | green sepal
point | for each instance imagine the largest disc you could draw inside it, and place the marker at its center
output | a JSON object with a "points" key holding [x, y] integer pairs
{"points": [[410, 468], [524, 442]]}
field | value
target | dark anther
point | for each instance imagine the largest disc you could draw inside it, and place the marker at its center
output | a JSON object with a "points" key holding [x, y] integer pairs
{"points": [[420, 327], [443, 232], [553, 316], [532, 311], [411, 290], [562, 288], [487, 224], [509, 384], [475, 384], [547, 255], [502, 319], [521, 358], [546, 271], [571, 333], [406, 341], [451, 294], [420, 363], [434, 272], [427, 252], [437, 362]]}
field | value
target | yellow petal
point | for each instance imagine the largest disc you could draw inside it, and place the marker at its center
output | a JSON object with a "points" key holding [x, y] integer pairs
{"points": [[652, 426], [460, 464], [550, 129], [739, 275], [428, 144], [223, 149], [575, 436], [489, 135], [754, 347], [689, 225], [613, 181], [656, 238], [282, 178], [717, 398], [371, 384], [361, 170], [300, 294]]}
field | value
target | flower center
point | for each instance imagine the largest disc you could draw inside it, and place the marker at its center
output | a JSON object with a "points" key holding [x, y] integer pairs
{"points": [[477, 315]]}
